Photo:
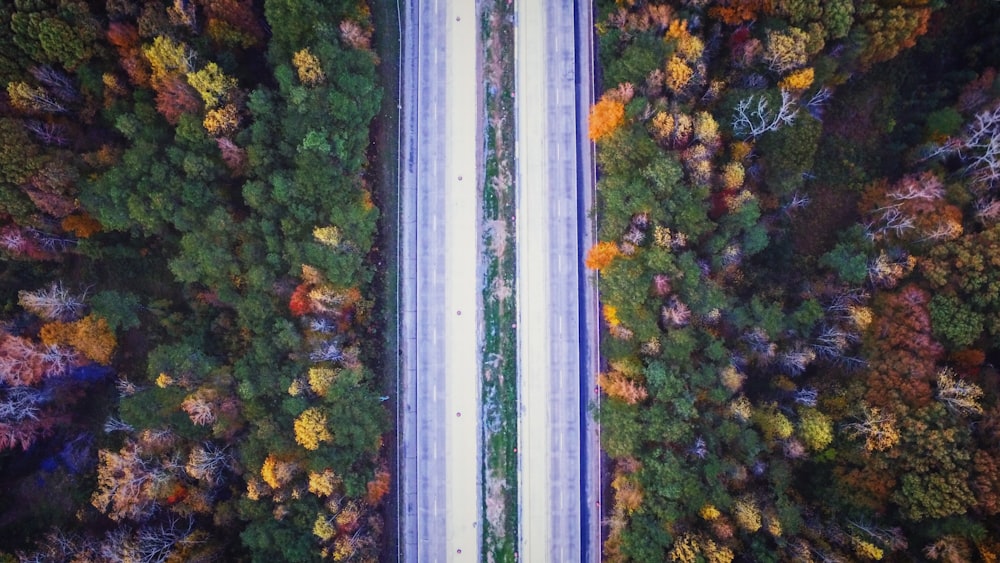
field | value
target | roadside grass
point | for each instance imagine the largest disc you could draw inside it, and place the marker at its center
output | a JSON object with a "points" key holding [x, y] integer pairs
{"points": [[383, 173], [499, 355]]}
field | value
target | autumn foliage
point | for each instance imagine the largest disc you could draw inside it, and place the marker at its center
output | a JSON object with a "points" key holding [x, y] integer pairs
{"points": [[606, 117], [91, 336], [378, 487], [601, 255]]}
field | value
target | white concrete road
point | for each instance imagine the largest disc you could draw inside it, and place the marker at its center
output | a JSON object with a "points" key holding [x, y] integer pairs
{"points": [[557, 302], [440, 317]]}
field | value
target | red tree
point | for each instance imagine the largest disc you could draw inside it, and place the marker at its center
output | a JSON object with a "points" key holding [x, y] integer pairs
{"points": [[174, 97], [904, 353], [300, 304]]}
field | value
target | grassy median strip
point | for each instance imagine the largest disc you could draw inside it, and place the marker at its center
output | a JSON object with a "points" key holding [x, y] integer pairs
{"points": [[499, 360]]}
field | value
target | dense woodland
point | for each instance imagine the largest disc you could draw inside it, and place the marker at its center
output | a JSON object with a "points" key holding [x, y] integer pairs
{"points": [[188, 234], [800, 279]]}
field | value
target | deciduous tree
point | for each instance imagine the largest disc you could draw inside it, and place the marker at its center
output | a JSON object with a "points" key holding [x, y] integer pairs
{"points": [[310, 429], [605, 118]]}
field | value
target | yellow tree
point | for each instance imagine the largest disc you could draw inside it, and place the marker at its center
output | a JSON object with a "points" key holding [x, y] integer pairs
{"points": [[330, 236], [877, 428], [747, 514], [798, 80], [276, 472], [91, 336], [212, 84], [324, 484], [167, 57], [308, 67], [222, 121], [310, 429], [320, 379], [678, 74]]}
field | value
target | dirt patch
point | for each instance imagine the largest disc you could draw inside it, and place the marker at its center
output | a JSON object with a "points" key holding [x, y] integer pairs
{"points": [[496, 233]]}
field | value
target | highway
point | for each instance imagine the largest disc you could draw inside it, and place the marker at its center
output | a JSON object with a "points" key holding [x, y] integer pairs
{"points": [[556, 300], [440, 453]]}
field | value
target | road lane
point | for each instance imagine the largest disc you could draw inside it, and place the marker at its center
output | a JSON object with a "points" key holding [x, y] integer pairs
{"points": [[551, 469], [439, 279]]}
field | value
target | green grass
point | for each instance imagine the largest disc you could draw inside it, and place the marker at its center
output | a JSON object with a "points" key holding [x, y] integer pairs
{"points": [[499, 357]]}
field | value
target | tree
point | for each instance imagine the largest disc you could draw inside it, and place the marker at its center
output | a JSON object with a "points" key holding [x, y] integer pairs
{"points": [[798, 81], [935, 466], [786, 50], [31, 99], [81, 224], [378, 487], [890, 29], [66, 36], [876, 427], [91, 336], [308, 67], [125, 38], [955, 323], [964, 272], [277, 472], [213, 84], [606, 117], [750, 121], [128, 486], [747, 514], [167, 57], [601, 255], [325, 483], [54, 303], [310, 429], [815, 428], [174, 97], [958, 395], [222, 121], [320, 379], [233, 22], [678, 75]]}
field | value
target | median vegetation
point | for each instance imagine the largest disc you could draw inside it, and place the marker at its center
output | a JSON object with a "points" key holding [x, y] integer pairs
{"points": [[190, 365], [798, 221], [499, 352]]}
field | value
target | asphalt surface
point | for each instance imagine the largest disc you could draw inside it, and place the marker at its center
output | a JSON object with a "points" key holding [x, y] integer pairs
{"points": [[558, 468], [440, 317]]}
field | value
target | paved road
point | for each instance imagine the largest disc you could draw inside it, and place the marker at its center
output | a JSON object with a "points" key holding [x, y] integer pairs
{"points": [[440, 318], [556, 302]]}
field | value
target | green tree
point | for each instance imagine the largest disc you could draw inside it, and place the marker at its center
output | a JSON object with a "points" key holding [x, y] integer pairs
{"points": [[935, 466], [954, 323]]}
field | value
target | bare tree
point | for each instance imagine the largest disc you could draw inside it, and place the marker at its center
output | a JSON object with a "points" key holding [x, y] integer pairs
{"points": [[55, 303], [48, 133], [56, 82], [958, 395], [21, 403], [116, 424], [327, 352], [207, 462], [157, 543], [752, 120], [893, 538]]}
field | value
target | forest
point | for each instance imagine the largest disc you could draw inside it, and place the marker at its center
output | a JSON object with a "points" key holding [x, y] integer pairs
{"points": [[799, 271], [190, 241]]}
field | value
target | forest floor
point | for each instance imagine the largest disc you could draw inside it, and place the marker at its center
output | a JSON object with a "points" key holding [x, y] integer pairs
{"points": [[499, 353]]}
